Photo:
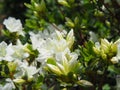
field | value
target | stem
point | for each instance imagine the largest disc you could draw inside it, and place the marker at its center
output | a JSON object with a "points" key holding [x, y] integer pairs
{"points": [[24, 87], [56, 27], [103, 78], [101, 83], [11, 76]]}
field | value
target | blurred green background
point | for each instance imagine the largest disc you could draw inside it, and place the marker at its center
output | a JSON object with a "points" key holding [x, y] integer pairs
{"points": [[13, 8]]}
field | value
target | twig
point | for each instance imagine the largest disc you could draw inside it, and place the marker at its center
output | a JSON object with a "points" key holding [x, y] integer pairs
{"points": [[56, 28]]}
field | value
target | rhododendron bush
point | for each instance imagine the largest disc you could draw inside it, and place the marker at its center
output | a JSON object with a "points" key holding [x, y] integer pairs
{"points": [[53, 50]]}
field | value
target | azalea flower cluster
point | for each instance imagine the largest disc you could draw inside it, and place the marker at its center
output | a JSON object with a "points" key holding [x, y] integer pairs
{"points": [[54, 54], [46, 52]]}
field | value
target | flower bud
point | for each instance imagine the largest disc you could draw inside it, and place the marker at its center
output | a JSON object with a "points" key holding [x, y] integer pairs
{"points": [[99, 14], [19, 81], [105, 48], [76, 20], [96, 50], [114, 60], [70, 39], [105, 42], [70, 24], [30, 78], [54, 69], [64, 3], [114, 48], [103, 55], [107, 23]]}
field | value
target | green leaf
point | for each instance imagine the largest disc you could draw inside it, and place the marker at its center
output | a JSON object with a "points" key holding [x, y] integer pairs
{"points": [[106, 87], [71, 1], [6, 32], [28, 6], [40, 79], [43, 6], [114, 69], [6, 69], [51, 61]]}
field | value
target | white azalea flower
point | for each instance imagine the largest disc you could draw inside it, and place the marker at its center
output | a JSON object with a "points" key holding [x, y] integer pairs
{"points": [[70, 38], [93, 36], [116, 59], [3, 47], [118, 51], [44, 54], [19, 81], [13, 25], [19, 52], [36, 40], [6, 51], [59, 35], [25, 70], [8, 86], [52, 46], [30, 70]]}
